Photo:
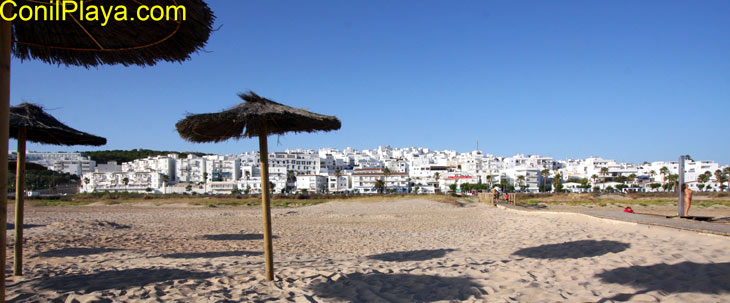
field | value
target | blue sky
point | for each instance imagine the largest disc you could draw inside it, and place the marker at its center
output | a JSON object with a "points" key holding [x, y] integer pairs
{"points": [[627, 80]]}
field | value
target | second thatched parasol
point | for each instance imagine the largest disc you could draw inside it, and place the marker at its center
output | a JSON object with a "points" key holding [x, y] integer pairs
{"points": [[257, 117], [29, 122]]}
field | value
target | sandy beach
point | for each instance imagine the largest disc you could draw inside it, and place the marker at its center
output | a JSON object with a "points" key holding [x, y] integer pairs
{"points": [[397, 251]]}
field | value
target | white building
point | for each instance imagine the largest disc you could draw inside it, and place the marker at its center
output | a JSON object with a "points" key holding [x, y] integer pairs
{"points": [[139, 182], [312, 183], [190, 169], [364, 179]]}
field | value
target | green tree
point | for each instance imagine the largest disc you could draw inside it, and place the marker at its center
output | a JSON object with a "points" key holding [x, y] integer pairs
{"points": [[557, 183], [545, 173], [673, 180], [247, 175], [247, 189], [415, 189], [720, 178], [379, 185], [632, 178], [386, 173], [652, 174], [702, 179], [272, 186], [604, 173], [521, 182], [594, 177], [125, 180], [338, 174], [452, 187], [665, 172]]}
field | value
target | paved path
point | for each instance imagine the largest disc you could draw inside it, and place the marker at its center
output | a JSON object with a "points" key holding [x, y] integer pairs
{"points": [[719, 226]]}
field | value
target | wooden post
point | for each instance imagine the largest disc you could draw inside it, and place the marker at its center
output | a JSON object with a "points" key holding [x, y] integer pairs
{"points": [[5, 46], [265, 204], [19, 201], [680, 202]]}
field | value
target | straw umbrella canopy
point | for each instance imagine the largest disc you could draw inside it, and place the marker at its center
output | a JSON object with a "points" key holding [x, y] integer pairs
{"points": [[74, 41], [28, 122], [12, 166], [256, 117]]}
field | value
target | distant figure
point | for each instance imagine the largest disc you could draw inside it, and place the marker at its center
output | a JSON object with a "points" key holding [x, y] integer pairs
{"points": [[506, 197], [495, 194], [687, 198]]}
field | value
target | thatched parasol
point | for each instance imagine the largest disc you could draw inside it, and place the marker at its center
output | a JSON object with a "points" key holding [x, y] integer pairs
{"points": [[132, 42], [257, 117], [12, 166], [28, 122], [90, 43]]}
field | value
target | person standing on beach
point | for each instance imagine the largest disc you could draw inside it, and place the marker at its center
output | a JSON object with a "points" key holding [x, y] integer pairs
{"points": [[687, 198]]}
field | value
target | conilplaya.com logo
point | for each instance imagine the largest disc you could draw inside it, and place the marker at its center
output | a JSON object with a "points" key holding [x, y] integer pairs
{"points": [[80, 10]]}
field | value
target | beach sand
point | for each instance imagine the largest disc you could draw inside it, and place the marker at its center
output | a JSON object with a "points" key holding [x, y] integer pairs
{"points": [[399, 251]]}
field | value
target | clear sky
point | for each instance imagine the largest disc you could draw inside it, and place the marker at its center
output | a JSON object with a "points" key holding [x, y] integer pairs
{"points": [[627, 80]]}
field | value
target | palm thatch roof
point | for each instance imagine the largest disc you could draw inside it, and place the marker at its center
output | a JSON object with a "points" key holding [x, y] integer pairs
{"points": [[12, 166], [250, 118], [44, 128], [132, 42]]}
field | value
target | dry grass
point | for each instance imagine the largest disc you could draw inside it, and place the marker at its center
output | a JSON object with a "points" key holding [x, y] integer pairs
{"points": [[229, 200]]}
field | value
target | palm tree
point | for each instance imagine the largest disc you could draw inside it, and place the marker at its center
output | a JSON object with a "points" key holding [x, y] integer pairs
{"points": [[664, 171], [594, 177], [544, 173], [521, 181], [386, 172], [702, 179], [379, 185], [652, 173], [604, 173], [632, 178], [125, 181], [247, 174], [673, 179], [338, 173], [720, 178]]}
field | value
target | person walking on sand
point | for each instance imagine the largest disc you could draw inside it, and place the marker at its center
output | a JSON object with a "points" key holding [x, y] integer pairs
{"points": [[687, 198]]}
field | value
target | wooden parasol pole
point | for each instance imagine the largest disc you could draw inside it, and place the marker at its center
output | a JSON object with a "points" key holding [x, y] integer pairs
{"points": [[5, 46], [19, 201], [265, 203]]}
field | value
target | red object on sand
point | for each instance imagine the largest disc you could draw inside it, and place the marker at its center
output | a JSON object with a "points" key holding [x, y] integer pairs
{"points": [[628, 210]]}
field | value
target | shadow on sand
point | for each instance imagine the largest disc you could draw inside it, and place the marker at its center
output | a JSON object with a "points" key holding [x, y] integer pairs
{"points": [[10, 226], [379, 287], [214, 254], [573, 250], [117, 279], [235, 237], [76, 252], [710, 278], [415, 255]]}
